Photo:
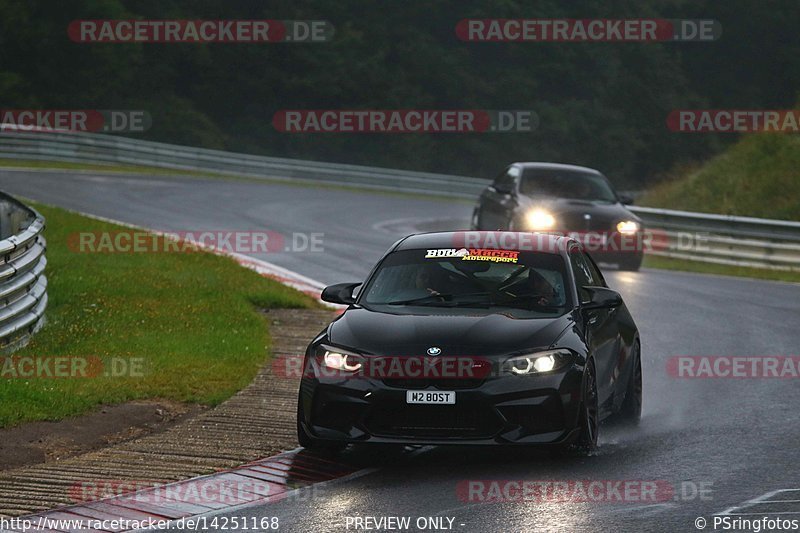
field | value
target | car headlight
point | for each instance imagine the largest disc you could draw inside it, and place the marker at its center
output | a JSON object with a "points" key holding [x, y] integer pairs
{"points": [[538, 363], [628, 227], [540, 220], [341, 360]]}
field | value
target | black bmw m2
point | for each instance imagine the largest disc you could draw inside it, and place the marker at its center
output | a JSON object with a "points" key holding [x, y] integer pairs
{"points": [[473, 338], [568, 200]]}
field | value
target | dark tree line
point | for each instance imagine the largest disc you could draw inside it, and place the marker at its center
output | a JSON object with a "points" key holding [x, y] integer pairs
{"points": [[599, 104]]}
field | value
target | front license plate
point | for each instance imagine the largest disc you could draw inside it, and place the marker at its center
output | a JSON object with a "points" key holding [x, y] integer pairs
{"points": [[437, 397]]}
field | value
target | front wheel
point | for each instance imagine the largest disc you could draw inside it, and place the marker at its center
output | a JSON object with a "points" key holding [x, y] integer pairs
{"points": [[513, 224], [475, 220], [631, 411], [589, 421]]}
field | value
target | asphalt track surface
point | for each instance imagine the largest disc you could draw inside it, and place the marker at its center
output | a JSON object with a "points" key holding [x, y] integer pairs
{"points": [[738, 438]]}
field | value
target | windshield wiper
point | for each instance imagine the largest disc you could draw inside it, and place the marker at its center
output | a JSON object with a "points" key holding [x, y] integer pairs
{"points": [[520, 301], [421, 300], [431, 297]]}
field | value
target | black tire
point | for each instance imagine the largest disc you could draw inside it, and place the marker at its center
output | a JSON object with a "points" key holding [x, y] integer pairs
{"points": [[631, 411], [512, 225], [475, 220], [588, 420], [310, 443], [630, 262]]}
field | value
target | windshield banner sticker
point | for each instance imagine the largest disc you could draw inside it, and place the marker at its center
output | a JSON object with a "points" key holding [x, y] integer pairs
{"points": [[475, 254]]}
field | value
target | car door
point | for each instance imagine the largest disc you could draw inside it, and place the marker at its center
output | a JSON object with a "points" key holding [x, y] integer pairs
{"points": [[499, 200], [600, 328]]}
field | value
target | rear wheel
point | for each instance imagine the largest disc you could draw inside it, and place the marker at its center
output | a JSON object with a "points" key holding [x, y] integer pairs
{"points": [[631, 411], [588, 420]]}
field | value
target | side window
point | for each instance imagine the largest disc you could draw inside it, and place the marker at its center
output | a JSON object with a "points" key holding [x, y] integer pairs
{"points": [[506, 182], [597, 276], [584, 274]]}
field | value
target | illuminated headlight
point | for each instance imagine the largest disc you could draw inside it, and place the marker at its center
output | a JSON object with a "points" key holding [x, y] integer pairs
{"points": [[339, 360], [628, 227], [539, 220], [538, 363]]}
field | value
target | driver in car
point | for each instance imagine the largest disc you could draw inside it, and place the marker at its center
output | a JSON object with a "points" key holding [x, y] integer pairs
{"points": [[426, 279], [540, 289]]}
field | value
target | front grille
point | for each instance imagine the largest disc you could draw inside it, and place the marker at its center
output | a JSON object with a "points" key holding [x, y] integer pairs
{"points": [[436, 421], [575, 221], [450, 377]]}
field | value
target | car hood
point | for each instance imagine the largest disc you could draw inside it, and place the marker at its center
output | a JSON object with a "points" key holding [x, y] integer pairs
{"points": [[572, 214], [460, 334]]}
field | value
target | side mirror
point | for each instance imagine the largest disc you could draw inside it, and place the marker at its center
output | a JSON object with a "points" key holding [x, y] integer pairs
{"points": [[341, 293], [601, 298], [626, 199]]}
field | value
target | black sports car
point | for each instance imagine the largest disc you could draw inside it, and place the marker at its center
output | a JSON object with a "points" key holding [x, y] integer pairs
{"points": [[565, 199], [452, 341]]}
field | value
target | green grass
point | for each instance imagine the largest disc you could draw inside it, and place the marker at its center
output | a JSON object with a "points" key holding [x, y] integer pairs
{"points": [[668, 263], [759, 176], [192, 317]]}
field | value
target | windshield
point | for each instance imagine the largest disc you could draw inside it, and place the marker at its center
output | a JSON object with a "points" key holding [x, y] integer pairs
{"points": [[532, 282], [566, 184]]}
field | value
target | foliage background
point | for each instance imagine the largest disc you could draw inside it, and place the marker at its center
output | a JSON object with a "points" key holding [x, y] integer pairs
{"points": [[600, 104]]}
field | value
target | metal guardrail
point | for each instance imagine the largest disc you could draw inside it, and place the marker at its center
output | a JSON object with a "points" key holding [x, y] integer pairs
{"points": [[724, 239], [23, 285], [96, 148], [721, 239]]}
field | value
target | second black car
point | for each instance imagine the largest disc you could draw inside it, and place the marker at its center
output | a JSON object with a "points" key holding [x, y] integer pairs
{"points": [[565, 199]]}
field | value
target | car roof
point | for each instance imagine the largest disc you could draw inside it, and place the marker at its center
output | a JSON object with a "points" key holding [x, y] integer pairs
{"points": [[554, 166], [497, 240]]}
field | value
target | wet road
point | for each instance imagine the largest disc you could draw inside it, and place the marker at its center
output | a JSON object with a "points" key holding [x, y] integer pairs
{"points": [[735, 438]]}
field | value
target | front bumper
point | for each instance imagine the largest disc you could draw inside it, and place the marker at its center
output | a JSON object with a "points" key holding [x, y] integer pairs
{"points": [[510, 409]]}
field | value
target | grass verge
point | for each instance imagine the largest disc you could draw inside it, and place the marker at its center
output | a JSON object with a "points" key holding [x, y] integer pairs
{"points": [[759, 176], [191, 319], [668, 263]]}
